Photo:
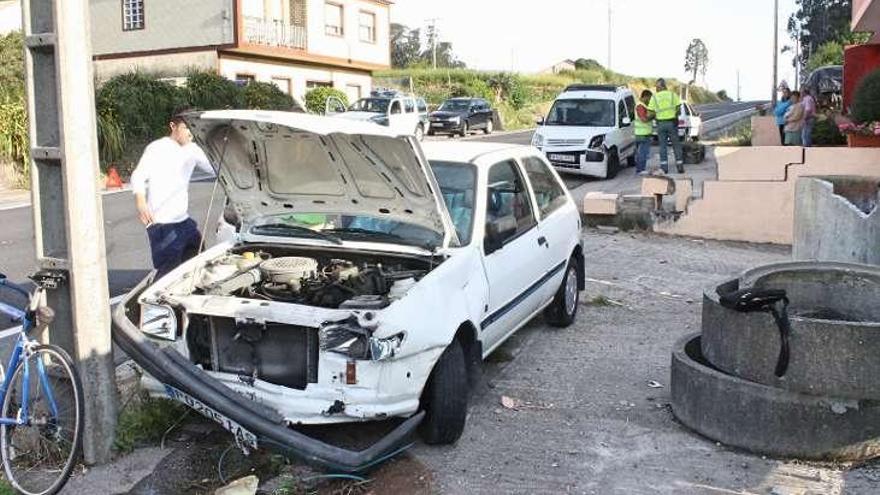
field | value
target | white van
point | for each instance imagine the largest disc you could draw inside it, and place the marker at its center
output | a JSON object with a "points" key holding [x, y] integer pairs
{"points": [[403, 114], [589, 130]]}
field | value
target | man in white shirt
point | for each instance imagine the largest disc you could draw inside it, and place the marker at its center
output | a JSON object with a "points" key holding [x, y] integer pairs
{"points": [[161, 188]]}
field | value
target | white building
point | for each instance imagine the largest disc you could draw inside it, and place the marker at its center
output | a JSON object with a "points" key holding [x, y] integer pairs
{"points": [[10, 16], [296, 44]]}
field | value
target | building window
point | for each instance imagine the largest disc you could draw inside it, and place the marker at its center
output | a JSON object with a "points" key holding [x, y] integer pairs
{"points": [[283, 84], [132, 15], [244, 79], [333, 19], [318, 84], [367, 26]]}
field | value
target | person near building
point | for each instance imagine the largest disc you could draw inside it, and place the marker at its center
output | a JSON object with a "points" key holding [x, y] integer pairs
{"points": [[794, 120], [665, 104], [160, 183], [809, 104], [643, 131], [782, 106]]}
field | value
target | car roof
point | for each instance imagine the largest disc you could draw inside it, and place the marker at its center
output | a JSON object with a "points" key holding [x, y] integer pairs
{"points": [[595, 92], [316, 124], [468, 152]]}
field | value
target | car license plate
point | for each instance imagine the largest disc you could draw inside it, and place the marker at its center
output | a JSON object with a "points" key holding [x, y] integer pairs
{"points": [[436, 124], [243, 437], [562, 158]]}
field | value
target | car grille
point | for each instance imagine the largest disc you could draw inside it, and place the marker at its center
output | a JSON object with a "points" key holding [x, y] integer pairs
{"points": [[565, 142], [277, 353]]}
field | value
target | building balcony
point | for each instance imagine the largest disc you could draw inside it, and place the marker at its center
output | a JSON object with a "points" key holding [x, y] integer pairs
{"points": [[276, 33]]}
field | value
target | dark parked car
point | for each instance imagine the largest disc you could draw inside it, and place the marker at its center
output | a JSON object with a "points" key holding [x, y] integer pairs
{"points": [[462, 115]]}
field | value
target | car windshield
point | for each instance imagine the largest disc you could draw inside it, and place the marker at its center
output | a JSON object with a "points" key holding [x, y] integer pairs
{"points": [[345, 227], [374, 105], [455, 105], [582, 112], [458, 185]]}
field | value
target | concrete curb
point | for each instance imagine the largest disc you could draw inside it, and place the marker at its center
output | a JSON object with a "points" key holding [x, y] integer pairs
{"points": [[829, 355], [768, 420]]}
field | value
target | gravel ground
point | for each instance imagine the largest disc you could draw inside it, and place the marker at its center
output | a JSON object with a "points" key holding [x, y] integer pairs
{"points": [[586, 419]]}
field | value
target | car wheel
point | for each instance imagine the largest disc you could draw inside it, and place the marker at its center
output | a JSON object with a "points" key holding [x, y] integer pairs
{"points": [[631, 160], [613, 165], [420, 132], [563, 310], [464, 129], [490, 126], [444, 399], [431, 133]]}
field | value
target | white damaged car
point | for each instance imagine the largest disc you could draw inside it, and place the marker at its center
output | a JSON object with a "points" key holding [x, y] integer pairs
{"points": [[367, 280]]}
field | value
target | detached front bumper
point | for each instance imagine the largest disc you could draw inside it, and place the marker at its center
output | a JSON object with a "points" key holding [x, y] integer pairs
{"points": [[267, 425]]}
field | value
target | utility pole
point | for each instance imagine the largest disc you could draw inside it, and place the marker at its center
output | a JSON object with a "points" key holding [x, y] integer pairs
{"points": [[797, 59], [433, 32], [609, 34], [68, 217], [738, 87], [775, 49]]}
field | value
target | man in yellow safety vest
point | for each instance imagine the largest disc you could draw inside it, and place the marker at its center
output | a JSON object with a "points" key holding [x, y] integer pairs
{"points": [[643, 130], [665, 105]]}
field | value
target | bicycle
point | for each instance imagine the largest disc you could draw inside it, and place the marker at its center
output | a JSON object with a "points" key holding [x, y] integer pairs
{"points": [[41, 417]]}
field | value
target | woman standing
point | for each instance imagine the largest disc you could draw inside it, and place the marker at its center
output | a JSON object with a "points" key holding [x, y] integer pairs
{"points": [[794, 121], [782, 106]]}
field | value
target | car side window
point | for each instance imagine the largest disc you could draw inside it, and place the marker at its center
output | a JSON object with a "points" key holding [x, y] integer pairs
{"points": [[422, 106], [622, 114], [410, 105], [508, 206], [631, 107], [687, 109], [549, 194], [395, 107]]}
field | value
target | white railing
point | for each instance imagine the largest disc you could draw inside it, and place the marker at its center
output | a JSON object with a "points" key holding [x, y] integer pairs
{"points": [[271, 32]]}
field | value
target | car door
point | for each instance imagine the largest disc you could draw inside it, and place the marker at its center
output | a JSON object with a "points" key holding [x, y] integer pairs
{"points": [[512, 252], [397, 119], [558, 222], [696, 122], [627, 136], [475, 116]]}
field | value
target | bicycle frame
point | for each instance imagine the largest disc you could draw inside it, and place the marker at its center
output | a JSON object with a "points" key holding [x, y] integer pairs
{"points": [[23, 346]]}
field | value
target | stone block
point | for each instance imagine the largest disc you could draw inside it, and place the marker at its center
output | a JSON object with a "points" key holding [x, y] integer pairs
{"points": [[598, 203], [684, 190], [765, 131], [657, 185]]}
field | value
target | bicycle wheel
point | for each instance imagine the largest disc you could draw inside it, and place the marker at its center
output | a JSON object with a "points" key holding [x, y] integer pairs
{"points": [[39, 455]]}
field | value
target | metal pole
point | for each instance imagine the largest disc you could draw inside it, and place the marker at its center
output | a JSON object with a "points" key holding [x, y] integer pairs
{"points": [[68, 217], [775, 49], [609, 34], [738, 87], [797, 60]]}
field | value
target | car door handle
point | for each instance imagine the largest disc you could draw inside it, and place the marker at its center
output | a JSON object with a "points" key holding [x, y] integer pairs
{"points": [[542, 241]]}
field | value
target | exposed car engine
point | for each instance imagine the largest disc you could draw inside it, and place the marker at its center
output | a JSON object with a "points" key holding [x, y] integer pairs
{"points": [[326, 283]]}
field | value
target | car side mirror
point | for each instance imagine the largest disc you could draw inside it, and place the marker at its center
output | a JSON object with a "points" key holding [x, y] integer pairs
{"points": [[540, 121], [497, 232], [625, 122]]}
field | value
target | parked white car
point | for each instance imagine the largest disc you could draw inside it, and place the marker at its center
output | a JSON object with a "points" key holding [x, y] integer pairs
{"points": [[589, 130], [403, 114], [367, 280]]}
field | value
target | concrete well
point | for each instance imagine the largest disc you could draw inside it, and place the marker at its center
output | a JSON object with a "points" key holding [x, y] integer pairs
{"points": [[836, 219], [769, 420], [835, 330]]}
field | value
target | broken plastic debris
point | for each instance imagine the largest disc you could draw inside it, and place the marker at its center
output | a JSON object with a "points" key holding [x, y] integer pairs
{"points": [[242, 486], [508, 402], [654, 384]]}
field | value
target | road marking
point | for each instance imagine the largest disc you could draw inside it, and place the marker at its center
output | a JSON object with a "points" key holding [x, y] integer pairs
{"points": [[14, 330], [25, 204]]}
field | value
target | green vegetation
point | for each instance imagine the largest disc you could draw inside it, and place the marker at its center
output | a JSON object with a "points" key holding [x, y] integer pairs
{"points": [[266, 96], [830, 53], [519, 98], [316, 98], [13, 117], [866, 102], [6, 488], [146, 420], [826, 132]]}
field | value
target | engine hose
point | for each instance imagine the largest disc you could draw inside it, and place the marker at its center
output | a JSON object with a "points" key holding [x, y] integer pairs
{"points": [[774, 301], [784, 325]]}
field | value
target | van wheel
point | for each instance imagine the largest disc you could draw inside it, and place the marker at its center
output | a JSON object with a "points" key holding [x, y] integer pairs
{"points": [[420, 132], [613, 165], [444, 399], [563, 310]]}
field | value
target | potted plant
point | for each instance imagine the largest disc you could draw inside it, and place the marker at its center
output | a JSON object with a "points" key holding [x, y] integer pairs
{"points": [[864, 129]]}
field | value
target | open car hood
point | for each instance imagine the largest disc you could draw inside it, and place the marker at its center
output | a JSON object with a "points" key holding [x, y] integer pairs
{"points": [[276, 163]]}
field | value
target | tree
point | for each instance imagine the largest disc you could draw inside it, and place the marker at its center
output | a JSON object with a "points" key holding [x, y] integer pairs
{"points": [[696, 59], [406, 46], [817, 22], [445, 57], [587, 64], [829, 53]]}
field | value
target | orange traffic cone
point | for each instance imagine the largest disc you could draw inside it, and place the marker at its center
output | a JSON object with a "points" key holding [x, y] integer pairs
{"points": [[113, 179]]}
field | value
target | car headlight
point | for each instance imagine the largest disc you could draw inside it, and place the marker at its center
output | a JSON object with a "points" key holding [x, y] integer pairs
{"points": [[537, 140], [597, 141], [350, 339], [158, 321], [455, 120]]}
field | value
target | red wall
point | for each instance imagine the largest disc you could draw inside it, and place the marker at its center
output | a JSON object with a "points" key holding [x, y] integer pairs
{"points": [[857, 61]]}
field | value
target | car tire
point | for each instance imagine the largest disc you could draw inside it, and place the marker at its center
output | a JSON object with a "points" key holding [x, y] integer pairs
{"points": [[420, 132], [465, 128], [431, 133], [613, 165], [563, 310], [444, 399], [490, 126], [631, 160]]}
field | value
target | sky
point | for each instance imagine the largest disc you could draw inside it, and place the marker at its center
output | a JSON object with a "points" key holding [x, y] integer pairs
{"points": [[649, 37]]}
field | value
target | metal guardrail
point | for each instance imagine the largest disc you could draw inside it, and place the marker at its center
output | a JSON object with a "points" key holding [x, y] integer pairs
{"points": [[272, 32]]}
